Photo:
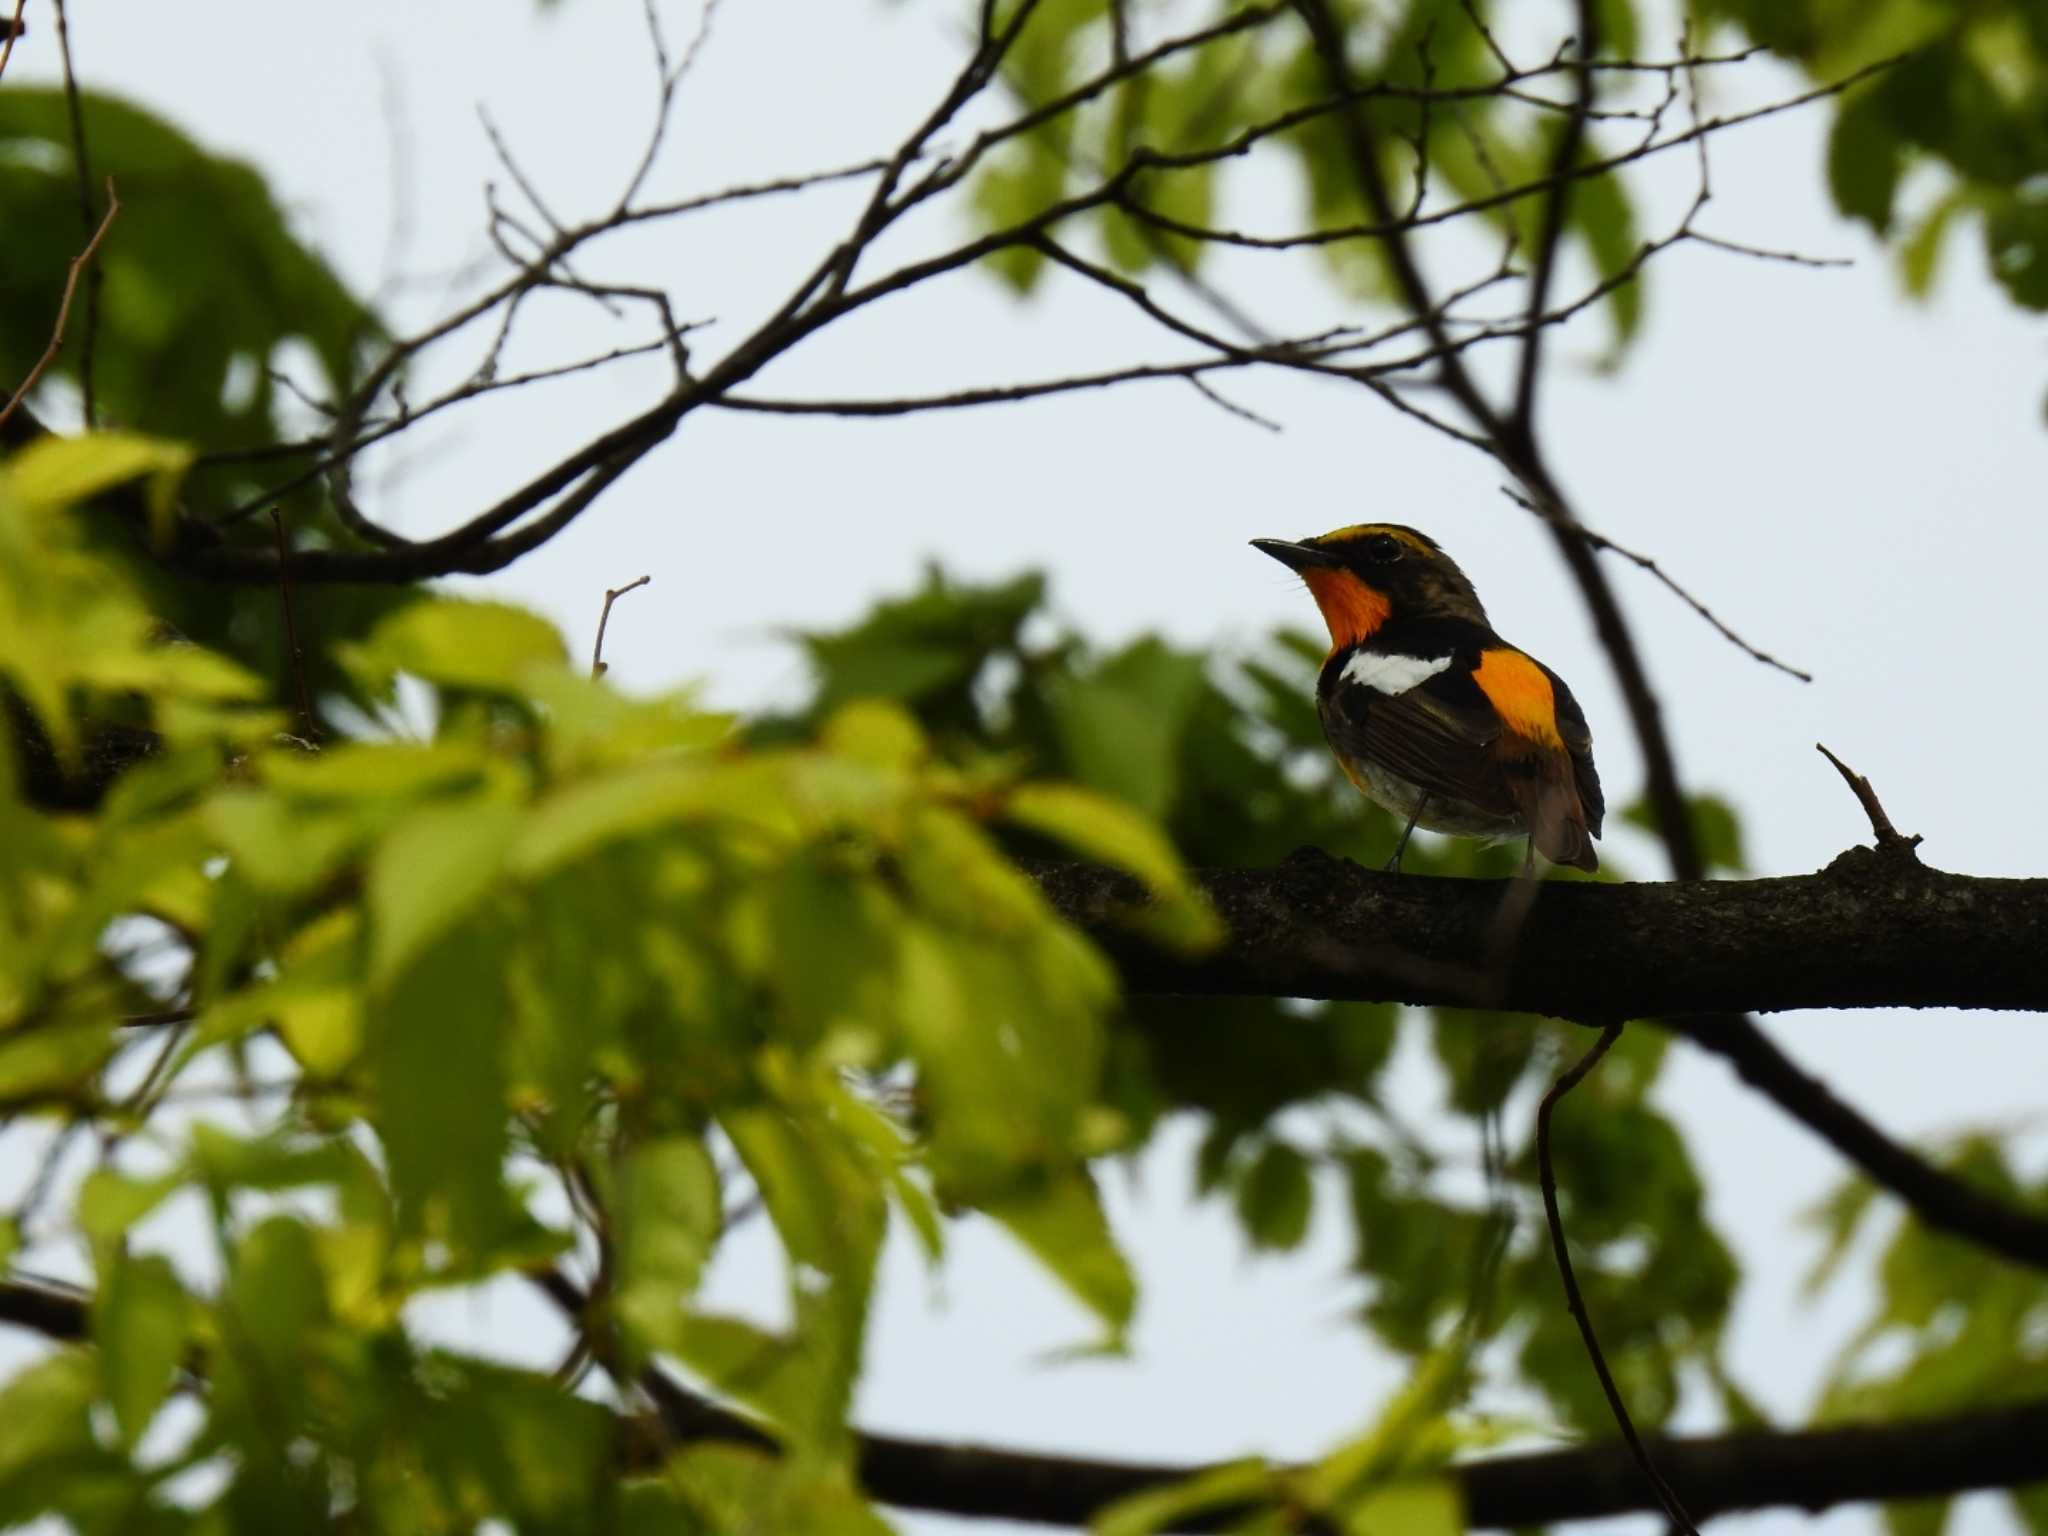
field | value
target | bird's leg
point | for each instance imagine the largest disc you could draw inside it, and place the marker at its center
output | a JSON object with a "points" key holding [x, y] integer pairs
{"points": [[1394, 863]]}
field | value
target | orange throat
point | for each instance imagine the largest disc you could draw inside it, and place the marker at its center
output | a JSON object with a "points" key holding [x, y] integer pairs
{"points": [[1351, 608]]}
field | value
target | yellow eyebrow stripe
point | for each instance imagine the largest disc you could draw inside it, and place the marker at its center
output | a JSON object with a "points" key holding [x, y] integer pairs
{"points": [[1521, 693], [1367, 530]]}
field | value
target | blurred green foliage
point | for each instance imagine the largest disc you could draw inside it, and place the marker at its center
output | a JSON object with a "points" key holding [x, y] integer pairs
{"points": [[531, 965], [551, 942], [1949, 123], [519, 967], [1958, 126], [207, 297], [1952, 1327], [1475, 143]]}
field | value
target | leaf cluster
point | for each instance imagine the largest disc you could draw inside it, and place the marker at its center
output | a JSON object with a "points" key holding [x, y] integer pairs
{"points": [[1227, 754], [534, 974], [203, 303], [1434, 102], [1959, 126]]}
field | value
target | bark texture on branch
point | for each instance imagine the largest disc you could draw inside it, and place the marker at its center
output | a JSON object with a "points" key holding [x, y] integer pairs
{"points": [[1872, 930]]}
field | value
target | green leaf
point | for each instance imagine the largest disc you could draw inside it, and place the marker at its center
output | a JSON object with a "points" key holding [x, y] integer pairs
{"points": [[1062, 1224], [1275, 1198], [47, 1410], [1602, 215], [491, 647], [1411, 1506], [828, 1205], [2030, 1506], [537, 1456], [1099, 828], [430, 872], [1716, 830], [734, 1488], [203, 281], [52, 1058], [1920, 253], [1411, 1434], [926, 649], [845, 930], [1225, 1487], [876, 733], [1840, 1217], [665, 1220], [273, 1309], [62, 471], [1009, 193], [1916, 1517], [1121, 725], [109, 1203], [2016, 245], [445, 1014], [1866, 157], [139, 1323]]}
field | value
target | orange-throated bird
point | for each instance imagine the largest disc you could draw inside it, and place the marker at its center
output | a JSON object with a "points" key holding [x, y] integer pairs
{"points": [[1430, 712]]}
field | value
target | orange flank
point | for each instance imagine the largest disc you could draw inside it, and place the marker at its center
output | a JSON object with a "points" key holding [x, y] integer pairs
{"points": [[1521, 692], [1351, 608]]}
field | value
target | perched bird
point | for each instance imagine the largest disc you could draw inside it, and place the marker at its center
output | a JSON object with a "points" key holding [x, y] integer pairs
{"points": [[1431, 713]]}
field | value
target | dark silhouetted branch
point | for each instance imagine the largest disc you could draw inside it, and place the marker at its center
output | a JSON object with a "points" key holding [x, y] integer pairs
{"points": [[1867, 932], [1809, 1469], [79, 263]]}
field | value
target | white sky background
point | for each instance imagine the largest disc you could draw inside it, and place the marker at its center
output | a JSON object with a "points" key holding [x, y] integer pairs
{"points": [[1853, 483]]}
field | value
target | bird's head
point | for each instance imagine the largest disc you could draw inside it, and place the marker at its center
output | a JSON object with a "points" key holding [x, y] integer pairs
{"points": [[1365, 575]]}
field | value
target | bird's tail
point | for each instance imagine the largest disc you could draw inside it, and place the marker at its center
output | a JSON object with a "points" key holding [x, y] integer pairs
{"points": [[1555, 816]]}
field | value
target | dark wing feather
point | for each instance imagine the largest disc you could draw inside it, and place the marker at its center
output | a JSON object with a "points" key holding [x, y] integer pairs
{"points": [[1578, 740], [1434, 735]]}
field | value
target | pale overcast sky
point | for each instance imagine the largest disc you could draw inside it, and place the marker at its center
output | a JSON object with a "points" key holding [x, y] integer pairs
{"points": [[1853, 483]]}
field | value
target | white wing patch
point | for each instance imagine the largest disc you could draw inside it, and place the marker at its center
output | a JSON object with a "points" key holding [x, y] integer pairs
{"points": [[1390, 674]]}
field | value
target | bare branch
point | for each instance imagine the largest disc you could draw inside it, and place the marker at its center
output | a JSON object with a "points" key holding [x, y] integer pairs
{"points": [[1569, 1079], [612, 595], [12, 35], [1550, 237], [1601, 541], [295, 656], [90, 223], [78, 264], [1888, 837]]}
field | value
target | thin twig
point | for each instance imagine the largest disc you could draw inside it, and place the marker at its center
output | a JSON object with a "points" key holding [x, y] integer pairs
{"points": [[90, 224], [612, 595], [1765, 253], [1601, 541], [1571, 139], [309, 729], [1223, 403], [1547, 1174], [14, 31], [78, 264], [1889, 838]]}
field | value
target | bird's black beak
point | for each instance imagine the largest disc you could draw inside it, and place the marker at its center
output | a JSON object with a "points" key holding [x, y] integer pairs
{"points": [[1295, 557]]}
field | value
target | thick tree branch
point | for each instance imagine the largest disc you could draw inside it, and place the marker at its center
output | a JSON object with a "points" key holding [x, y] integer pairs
{"points": [[1872, 930], [1809, 1469], [1865, 932], [1813, 1469]]}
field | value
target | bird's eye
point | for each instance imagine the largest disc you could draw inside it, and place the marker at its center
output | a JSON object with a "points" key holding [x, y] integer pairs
{"points": [[1382, 549]]}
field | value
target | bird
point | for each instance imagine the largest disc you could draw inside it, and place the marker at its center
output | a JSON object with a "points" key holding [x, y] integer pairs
{"points": [[1433, 715]]}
